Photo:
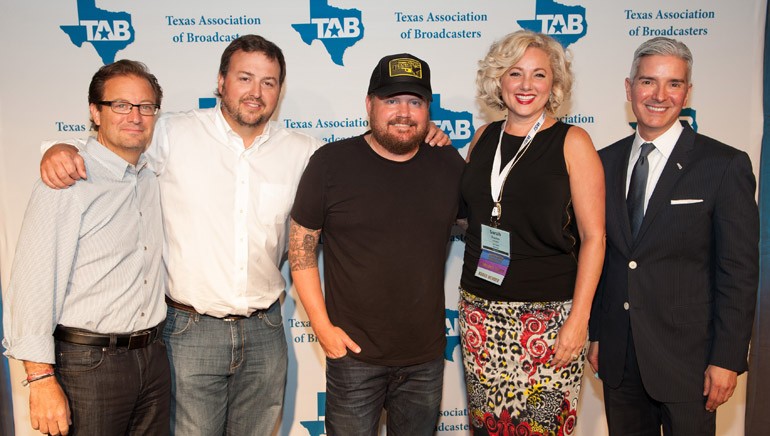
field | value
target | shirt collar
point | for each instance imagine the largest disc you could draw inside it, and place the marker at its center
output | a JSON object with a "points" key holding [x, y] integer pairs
{"points": [[664, 143], [116, 165]]}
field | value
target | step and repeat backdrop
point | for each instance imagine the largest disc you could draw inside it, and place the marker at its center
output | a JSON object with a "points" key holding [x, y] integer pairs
{"points": [[50, 50]]}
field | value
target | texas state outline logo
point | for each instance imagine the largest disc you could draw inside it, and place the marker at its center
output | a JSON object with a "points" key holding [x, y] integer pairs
{"points": [[566, 24], [338, 29], [107, 31]]}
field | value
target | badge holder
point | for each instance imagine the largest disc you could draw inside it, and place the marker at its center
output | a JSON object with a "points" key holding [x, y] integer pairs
{"points": [[495, 250]]}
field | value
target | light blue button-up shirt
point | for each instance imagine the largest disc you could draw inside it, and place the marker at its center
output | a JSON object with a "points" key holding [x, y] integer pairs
{"points": [[88, 257]]}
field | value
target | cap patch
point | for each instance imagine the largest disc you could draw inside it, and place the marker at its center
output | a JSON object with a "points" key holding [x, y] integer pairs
{"points": [[405, 67]]}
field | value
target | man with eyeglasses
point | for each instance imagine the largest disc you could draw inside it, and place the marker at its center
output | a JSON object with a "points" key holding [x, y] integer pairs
{"points": [[85, 307]]}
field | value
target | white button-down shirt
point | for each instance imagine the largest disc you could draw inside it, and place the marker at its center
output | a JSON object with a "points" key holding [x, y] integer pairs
{"points": [[664, 145], [225, 209]]}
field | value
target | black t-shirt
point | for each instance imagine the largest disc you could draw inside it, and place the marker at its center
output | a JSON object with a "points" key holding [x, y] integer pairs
{"points": [[385, 228], [537, 211]]}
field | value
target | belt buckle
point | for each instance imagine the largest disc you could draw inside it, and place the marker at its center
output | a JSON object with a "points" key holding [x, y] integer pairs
{"points": [[139, 339]]}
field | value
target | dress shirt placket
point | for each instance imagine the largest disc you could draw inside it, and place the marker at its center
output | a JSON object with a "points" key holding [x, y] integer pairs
{"points": [[241, 233], [145, 215]]}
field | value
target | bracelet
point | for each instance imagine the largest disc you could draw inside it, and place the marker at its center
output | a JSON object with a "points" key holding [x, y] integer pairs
{"points": [[35, 377]]}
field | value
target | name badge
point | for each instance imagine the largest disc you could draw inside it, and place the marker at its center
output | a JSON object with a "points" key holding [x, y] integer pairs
{"points": [[495, 254]]}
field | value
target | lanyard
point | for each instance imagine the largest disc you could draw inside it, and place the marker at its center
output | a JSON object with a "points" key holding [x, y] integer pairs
{"points": [[497, 178]]}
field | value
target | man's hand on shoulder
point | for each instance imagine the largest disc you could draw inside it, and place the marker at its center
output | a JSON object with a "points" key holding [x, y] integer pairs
{"points": [[436, 136], [62, 166], [718, 385]]}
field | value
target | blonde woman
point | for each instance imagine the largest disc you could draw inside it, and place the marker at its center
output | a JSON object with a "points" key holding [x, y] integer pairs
{"points": [[534, 188]]}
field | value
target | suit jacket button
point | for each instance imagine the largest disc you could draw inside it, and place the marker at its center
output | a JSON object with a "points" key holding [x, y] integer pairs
{"points": [[626, 305], [632, 264]]}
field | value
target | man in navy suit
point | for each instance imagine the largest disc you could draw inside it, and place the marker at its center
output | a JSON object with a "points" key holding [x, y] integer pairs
{"points": [[672, 317]]}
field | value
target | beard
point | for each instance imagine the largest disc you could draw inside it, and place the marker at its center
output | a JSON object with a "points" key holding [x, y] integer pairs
{"points": [[394, 143], [233, 109]]}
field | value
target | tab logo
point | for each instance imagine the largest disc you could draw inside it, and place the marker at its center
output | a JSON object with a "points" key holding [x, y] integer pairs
{"points": [[108, 32], [457, 125], [570, 24], [328, 28], [565, 24], [338, 29], [102, 31]]}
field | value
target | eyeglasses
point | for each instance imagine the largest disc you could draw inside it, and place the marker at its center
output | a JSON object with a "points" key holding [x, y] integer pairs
{"points": [[124, 107]]}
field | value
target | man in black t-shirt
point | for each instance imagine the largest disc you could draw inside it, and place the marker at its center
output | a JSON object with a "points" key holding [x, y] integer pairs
{"points": [[385, 202]]}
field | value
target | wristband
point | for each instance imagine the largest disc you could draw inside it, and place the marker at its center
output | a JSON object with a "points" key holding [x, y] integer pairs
{"points": [[35, 377]]}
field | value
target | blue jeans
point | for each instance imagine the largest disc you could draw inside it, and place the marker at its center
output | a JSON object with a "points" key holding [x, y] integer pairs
{"points": [[356, 393], [115, 390], [228, 377]]}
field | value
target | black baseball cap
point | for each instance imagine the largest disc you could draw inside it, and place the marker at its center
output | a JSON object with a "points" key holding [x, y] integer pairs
{"points": [[401, 73]]}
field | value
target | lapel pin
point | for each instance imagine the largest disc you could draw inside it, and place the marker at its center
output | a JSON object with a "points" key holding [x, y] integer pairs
{"points": [[678, 165]]}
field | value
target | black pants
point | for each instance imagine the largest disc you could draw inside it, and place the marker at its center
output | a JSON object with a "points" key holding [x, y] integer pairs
{"points": [[632, 412], [115, 391]]}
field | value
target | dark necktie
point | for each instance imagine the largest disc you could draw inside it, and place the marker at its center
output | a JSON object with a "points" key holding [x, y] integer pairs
{"points": [[635, 198]]}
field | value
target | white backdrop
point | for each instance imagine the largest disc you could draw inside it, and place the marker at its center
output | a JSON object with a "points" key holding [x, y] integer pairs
{"points": [[331, 47]]}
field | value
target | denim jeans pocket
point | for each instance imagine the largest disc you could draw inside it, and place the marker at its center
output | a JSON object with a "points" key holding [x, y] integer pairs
{"points": [[272, 316], [72, 358], [177, 322]]}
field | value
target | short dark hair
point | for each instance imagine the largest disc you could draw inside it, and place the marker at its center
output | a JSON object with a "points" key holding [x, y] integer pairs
{"points": [[252, 44], [123, 67]]}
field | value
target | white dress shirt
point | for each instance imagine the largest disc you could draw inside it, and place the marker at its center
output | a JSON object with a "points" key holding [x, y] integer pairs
{"points": [[664, 145], [88, 257], [226, 209]]}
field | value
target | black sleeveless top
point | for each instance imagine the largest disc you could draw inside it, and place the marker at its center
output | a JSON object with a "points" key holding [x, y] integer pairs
{"points": [[537, 211]]}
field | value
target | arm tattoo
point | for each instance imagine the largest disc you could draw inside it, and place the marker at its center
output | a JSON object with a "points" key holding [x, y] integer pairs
{"points": [[302, 247]]}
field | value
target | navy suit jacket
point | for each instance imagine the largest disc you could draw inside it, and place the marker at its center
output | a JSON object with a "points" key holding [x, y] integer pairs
{"points": [[686, 287]]}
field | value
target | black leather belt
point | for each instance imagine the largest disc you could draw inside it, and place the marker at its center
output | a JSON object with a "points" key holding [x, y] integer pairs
{"points": [[186, 308], [132, 341]]}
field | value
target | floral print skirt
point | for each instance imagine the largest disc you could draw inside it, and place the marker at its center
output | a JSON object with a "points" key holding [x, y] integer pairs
{"points": [[512, 388]]}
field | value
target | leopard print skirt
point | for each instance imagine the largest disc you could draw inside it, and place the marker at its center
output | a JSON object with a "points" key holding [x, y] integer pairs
{"points": [[512, 389]]}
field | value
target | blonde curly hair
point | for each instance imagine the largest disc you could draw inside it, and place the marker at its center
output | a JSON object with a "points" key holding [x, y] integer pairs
{"points": [[506, 52]]}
